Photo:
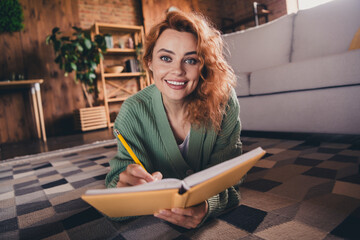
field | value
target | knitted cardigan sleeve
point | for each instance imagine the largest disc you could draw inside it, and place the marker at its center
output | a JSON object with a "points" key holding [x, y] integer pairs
{"points": [[129, 125]]}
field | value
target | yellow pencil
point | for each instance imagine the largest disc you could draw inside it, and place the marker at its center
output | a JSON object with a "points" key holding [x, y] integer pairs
{"points": [[127, 147]]}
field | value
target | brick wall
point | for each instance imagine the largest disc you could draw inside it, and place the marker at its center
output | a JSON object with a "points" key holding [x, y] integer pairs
{"points": [[222, 12], [126, 12], [238, 10]]}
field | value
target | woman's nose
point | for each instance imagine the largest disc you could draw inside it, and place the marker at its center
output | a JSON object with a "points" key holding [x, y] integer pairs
{"points": [[178, 68]]}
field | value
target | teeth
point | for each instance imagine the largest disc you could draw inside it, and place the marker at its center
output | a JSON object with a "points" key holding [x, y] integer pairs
{"points": [[176, 83]]}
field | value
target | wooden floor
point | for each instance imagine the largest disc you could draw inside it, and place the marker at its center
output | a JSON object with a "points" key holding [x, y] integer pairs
{"points": [[9, 151]]}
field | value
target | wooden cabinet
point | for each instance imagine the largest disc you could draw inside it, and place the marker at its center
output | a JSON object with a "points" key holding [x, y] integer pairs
{"points": [[116, 87]]}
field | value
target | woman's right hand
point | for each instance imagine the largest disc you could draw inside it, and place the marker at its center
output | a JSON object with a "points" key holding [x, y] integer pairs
{"points": [[134, 174]]}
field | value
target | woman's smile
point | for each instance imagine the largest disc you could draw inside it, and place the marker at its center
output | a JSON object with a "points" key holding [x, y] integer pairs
{"points": [[176, 84]]}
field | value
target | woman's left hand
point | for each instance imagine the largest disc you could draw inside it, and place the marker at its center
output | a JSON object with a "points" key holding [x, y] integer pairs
{"points": [[185, 217]]}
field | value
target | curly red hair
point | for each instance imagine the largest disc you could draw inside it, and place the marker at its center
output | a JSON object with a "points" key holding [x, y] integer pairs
{"points": [[209, 99]]}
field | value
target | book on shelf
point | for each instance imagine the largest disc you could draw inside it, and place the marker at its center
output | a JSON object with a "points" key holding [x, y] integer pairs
{"points": [[132, 65], [168, 193], [109, 41]]}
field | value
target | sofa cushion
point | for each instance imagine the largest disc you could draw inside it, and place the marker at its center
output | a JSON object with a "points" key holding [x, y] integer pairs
{"points": [[331, 110], [334, 70], [242, 87], [325, 29], [261, 47]]}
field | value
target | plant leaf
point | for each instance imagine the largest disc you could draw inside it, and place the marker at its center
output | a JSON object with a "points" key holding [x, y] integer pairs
{"points": [[80, 76], [58, 58], [65, 38], [79, 48], [92, 76], [77, 29], [87, 43], [55, 30], [93, 65], [73, 66], [57, 45], [47, 40]]}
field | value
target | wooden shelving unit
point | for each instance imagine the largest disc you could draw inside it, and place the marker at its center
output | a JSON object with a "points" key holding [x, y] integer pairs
{"points": [[117, 87]]}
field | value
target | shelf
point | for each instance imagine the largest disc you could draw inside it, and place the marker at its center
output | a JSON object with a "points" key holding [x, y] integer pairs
{"points": [[117, 99], [111, 75], [118, 27], [120, 50]]}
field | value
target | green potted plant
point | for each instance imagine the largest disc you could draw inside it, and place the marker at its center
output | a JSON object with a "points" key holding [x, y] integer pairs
{"points": [[81, 54], [78, 53], [11, 16]]}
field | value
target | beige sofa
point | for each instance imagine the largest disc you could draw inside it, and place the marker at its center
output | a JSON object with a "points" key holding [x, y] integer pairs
{"points": [[297, 74]]}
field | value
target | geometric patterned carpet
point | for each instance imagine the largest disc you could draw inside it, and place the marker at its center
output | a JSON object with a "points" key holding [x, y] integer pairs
{"points": [[302, 189]]}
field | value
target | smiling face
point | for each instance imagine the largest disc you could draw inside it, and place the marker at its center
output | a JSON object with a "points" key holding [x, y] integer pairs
{"points": [[175, 65]]}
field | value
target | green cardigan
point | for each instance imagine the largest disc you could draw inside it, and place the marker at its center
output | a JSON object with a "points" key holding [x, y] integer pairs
{"points": [[143, 122]]}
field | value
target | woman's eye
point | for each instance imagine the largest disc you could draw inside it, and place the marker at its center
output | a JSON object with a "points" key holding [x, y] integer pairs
{"points": [[165, 58], [191, 61]]}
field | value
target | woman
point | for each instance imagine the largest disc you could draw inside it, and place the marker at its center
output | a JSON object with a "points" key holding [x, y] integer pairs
{"points": [[187, 121]]}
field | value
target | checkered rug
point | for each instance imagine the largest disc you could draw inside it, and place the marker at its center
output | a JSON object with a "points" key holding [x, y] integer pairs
{"points": [[300, 190]]}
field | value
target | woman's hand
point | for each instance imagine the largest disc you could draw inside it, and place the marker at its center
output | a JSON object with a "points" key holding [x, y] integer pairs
{"points": [[185, 217], [135, 175]]}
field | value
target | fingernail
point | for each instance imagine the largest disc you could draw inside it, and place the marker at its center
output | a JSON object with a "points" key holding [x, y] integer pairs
{"points": [[164, 213]]}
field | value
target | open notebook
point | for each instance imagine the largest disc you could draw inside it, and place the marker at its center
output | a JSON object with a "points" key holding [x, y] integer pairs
{"points": [[168, 193]]}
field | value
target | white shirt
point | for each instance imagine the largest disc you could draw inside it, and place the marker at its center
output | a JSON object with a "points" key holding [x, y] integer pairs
{"points": [[184, 146]]}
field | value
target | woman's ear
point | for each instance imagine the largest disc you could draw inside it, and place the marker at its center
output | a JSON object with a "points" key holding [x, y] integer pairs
{"points": [[150, 66]]}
